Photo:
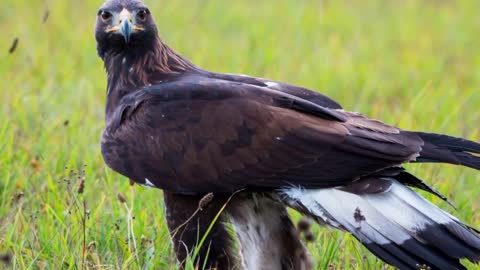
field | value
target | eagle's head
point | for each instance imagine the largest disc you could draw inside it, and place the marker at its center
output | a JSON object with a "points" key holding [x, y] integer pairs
{"points": [[124, 25]]}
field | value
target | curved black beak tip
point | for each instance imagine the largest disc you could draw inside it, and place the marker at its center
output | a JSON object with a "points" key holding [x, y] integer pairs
{"points": [[126, 30]]}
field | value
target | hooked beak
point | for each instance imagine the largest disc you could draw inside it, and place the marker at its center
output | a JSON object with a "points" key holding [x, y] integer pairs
{"points": [[125, 25], [126, 30]]}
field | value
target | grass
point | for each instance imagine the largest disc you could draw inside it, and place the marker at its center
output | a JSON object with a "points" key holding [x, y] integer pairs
{"points": [[410, 63]]}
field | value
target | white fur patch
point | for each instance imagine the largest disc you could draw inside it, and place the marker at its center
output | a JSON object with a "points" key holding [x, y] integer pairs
{"points": [[254, 231], [268, 240]]}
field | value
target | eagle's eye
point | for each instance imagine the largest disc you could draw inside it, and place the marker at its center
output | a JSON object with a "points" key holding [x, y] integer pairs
{"points": [[105, 15], [142, 14]]}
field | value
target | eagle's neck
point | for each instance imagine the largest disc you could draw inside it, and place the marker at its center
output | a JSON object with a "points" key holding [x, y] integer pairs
{"points": [[130, 70]]}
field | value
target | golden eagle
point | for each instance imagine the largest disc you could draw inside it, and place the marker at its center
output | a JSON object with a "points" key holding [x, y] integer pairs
{"points": [[174, 126]]}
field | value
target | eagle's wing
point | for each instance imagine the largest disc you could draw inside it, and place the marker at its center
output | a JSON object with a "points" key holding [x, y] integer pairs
{"points": [[197, 134], [301, 92]]}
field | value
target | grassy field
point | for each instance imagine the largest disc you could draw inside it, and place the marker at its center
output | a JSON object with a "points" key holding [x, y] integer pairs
{"points": [[415, 64]]}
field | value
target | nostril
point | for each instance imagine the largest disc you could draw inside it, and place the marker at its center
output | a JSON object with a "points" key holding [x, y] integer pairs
{"points": [[129, 20]]}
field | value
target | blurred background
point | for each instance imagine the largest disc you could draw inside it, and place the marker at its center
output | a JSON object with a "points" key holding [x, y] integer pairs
{"points": [[415, 64]]}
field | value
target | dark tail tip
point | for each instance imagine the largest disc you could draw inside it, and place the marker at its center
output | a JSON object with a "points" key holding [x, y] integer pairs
{"points": [[438, 246]]}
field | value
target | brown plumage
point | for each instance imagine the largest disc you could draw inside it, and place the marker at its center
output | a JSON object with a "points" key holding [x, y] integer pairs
{"points": [[188, 131], [187, 227]]}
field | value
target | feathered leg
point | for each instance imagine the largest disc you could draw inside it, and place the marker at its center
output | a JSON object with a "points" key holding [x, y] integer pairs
{"points": [[268, 238], [187, 229]]}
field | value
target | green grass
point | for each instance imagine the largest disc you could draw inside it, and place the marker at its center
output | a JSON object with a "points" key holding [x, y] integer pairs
{"points": [[410, 63]]}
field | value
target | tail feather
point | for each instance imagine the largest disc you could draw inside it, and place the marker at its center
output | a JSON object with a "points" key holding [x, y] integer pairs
{"points": [[392, 221], [411, 254], [448, 149], [412, 181], [386, 254]]}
